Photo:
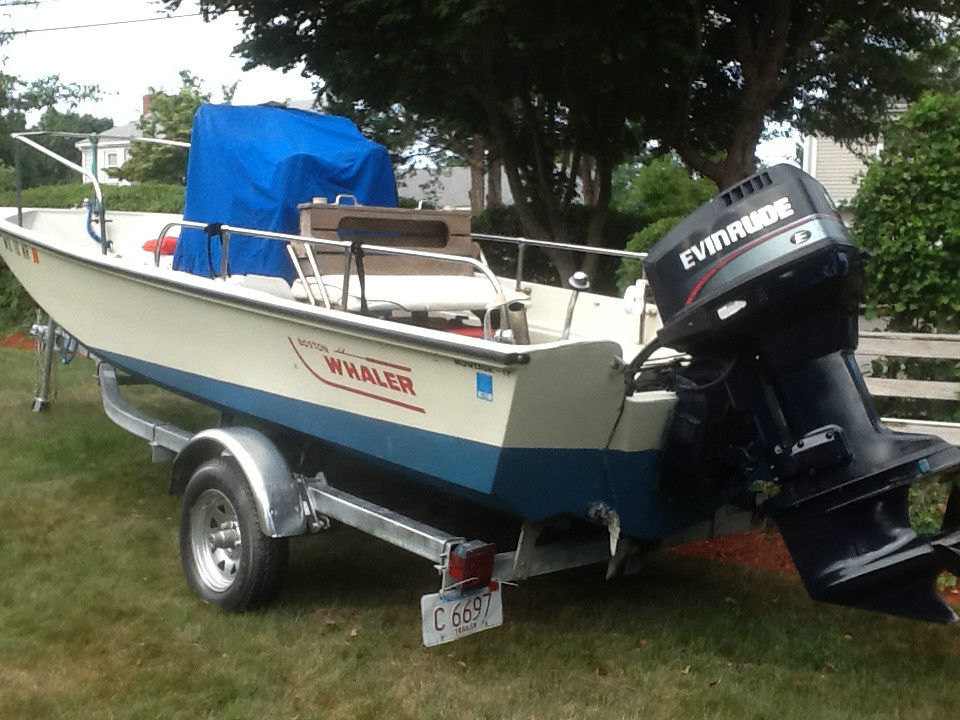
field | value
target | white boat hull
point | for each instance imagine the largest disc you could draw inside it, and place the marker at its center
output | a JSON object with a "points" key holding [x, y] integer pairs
{"points": [[536, 430]]}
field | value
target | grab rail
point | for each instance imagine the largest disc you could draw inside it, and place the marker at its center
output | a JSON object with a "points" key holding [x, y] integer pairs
{"points": [[344, 245], [23, 138], [522, 243]]}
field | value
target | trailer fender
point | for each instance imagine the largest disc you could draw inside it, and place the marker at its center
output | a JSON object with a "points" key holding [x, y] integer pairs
{"points": [[274, 488]]}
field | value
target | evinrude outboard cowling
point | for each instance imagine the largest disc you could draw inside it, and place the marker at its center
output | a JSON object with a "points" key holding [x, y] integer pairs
{"points": [[761, 286]]}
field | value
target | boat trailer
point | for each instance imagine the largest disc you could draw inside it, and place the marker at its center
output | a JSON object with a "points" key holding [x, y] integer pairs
{"points": [[290, 504]]}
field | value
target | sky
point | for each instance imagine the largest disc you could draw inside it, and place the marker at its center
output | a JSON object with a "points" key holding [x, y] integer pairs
{"points": [[125, 60]]}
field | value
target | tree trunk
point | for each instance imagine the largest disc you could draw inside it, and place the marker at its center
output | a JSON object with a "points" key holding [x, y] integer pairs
{"points": [[477, 162], [760, 43], [531, 226], [598, 218], [494, 182], [588, 181]]}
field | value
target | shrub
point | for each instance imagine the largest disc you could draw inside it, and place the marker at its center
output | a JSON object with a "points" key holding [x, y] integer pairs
{"points": [[908, 218], [16, 307], [642, 241], [662, 188], [147, 197], [659, 194]]}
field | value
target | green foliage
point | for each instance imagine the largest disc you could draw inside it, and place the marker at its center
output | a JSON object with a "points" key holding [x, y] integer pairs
{"points": [[171, 118], [660, 193], [498, 220], [630, 269], [549, 87], [404, 134], [908, 218], [16, 307], [56, 121], [544, 79], [18, 97], [412, 204], [661, 188], [927, 503], [145, 197], [8, 179]]}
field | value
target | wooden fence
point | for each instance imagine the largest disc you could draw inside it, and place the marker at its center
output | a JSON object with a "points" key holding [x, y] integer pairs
{"points": [[911, 345]]}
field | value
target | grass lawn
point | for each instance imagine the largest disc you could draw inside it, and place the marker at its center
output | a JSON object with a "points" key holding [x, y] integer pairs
{"points": [[96, 620]]}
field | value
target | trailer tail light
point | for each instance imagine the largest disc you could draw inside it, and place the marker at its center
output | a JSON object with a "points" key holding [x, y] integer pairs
{"points": [[471, 563]]}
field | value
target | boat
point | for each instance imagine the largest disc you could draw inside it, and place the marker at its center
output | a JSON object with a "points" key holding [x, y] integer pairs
{"points": [[721, 385]]}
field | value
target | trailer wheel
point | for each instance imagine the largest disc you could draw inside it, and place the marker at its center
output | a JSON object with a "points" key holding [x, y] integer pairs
{"points": [[226, 557]]}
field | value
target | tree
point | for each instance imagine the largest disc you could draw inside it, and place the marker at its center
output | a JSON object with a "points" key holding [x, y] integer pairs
{"points": [[552, 87], [511, 72], [17, 98], [170, 117], [827, 66], [56, 121], [413, 141], [908, 218]]}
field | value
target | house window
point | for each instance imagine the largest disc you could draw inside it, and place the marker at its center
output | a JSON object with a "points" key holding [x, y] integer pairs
{"points": [[112, 159]]}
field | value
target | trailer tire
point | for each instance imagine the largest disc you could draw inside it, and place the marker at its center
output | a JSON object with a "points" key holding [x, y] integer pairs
{"points": [[226, 558]]}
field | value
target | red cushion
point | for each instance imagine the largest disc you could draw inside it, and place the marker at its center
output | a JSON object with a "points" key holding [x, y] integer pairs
{"points": [[168, 245], [476, 332]]}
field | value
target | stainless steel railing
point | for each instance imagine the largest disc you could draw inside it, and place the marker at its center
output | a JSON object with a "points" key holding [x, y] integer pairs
{"points": [[347, 247], [523, 243], [25, 138]]}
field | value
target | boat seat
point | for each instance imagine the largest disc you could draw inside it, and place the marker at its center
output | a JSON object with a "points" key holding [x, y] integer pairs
{"points": [[268, 284], [412, 293]]}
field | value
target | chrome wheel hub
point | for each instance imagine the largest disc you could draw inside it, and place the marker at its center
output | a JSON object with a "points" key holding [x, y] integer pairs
{"points": [[215, 540]]}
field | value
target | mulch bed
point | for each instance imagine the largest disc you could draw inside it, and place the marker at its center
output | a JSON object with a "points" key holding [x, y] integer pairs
{"points": [[762, 548], [17, 340]]}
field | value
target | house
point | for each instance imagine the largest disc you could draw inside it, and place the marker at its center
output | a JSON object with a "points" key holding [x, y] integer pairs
{"points": [[838, 167], [113, 147], [113, 150]]}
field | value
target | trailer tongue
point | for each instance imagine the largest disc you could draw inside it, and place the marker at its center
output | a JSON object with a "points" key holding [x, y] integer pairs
{"points": [[761, 287]]}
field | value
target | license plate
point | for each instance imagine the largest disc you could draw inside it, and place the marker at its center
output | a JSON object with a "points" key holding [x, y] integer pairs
{"points": [[448, 617]]}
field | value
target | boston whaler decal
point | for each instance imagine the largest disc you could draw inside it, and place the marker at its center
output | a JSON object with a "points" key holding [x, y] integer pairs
{"points": [[372, 378], [737, 230]]}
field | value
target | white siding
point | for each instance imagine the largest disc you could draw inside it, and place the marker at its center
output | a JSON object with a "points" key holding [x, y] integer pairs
{"points": [[835, 166], [838, 168]]}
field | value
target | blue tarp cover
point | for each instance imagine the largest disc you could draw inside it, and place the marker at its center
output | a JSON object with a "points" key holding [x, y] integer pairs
{"points": [[251, 166]]}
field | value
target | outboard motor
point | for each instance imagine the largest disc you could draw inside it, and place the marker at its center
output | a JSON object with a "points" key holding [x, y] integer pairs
{"points": [[761, 287]]}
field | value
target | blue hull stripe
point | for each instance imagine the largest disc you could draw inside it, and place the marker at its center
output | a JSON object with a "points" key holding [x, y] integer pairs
{"points": [[533, 483]]}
